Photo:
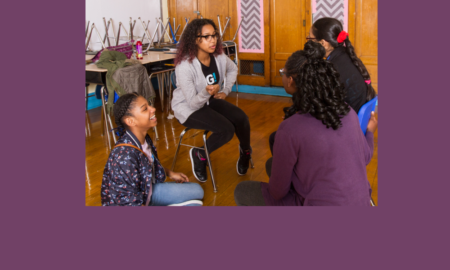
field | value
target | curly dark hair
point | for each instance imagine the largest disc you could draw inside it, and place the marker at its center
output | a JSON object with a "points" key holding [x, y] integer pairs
{"points": [[187, 48], [123, 107], [319, 90], [329, 29]]}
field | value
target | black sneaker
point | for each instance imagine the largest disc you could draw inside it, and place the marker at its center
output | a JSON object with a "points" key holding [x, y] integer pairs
{"points": [[198, 165], [243, 161]]}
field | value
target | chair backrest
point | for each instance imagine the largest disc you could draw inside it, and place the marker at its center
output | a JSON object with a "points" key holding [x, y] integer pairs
{"points": [[116, 96], [365, 112], [173, 79]]}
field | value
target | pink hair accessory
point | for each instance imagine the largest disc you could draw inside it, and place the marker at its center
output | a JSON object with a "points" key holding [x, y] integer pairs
{"points": [[368, 81]]}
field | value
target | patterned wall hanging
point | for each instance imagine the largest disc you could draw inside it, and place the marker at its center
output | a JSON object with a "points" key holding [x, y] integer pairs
{"points": [[331, 8], [251, 33]]}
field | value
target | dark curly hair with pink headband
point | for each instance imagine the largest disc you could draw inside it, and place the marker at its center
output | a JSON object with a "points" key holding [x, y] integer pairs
{"points": [[187, 49]]}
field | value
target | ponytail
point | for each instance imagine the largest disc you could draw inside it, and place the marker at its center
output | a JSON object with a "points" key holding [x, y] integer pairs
{"points": [[331, 30]]}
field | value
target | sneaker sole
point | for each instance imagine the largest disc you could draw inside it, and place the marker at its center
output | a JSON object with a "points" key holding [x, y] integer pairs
{"points": [[192, 163], [200, 203], [237, 167]]}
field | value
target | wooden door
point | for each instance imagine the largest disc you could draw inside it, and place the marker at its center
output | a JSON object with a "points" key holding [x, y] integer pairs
{"points": [[210, 10], [180, 9], [290, 21], [363, 33]]}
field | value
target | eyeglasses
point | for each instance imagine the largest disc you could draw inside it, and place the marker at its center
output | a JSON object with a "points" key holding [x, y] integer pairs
{"points": [[208, 37], [310, 38], [282, 72]]}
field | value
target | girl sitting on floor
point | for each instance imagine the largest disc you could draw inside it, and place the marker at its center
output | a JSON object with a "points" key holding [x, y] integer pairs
{"points": [[133, 175], [320, 153]]}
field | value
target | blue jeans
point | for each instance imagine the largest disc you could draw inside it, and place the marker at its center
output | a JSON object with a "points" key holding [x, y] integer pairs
{"points": [[170, 193]]}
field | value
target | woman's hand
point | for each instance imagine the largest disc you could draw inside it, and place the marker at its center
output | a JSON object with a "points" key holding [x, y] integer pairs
{"points": [[220, 96], [373, 123], [178, 177], [213, 89]]}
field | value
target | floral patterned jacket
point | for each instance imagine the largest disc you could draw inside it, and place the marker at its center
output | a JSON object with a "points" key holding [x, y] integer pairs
{"points": [[128, 173]]}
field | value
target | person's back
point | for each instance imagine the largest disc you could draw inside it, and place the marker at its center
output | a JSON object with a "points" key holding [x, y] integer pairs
{"points": [[329, 32], [350, 77], [329, 165], [320, 153]]}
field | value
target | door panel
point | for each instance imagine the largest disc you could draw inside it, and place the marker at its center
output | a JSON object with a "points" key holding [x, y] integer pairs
{"points": [[366, 35], [210, 10], [181, 9], [288, 34]]}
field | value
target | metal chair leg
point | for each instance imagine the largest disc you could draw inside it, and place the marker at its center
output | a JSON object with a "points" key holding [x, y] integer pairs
{"points": [[102, 120], [156, 133], [178, 148], [87, 125], [170, 93], [168, 89], [86, 96], [113, 134], [86, 99], [161, 90], [209, 161], [105, 115]]}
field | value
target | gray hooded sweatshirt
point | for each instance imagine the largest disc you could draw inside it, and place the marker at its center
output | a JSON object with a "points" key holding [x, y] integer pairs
{"points": [[190, 94]]}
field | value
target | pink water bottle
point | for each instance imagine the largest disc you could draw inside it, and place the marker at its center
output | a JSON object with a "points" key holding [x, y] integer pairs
{"points": [[139, 50]]}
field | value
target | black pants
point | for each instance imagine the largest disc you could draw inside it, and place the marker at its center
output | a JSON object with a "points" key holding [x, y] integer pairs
{"points": [[269, 166], [269, 161], [248, 193], [272, 141], [223, 119]]}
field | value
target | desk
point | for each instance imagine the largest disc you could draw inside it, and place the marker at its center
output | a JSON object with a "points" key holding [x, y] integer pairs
{"points": [[152, 57], [96, 75]]}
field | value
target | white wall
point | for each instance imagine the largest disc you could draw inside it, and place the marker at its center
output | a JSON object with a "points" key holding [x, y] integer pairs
{"points": [[121, 11], [165, 9]]}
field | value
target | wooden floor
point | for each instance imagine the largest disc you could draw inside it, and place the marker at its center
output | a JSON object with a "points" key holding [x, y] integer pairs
{"points": [[265, 114]]}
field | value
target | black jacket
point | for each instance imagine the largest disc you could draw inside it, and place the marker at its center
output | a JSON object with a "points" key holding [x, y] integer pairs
{"points": [[351, 78], [128, 173]]}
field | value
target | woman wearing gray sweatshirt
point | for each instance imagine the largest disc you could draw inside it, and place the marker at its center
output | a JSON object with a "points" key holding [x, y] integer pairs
{"points": [[199, 100]]}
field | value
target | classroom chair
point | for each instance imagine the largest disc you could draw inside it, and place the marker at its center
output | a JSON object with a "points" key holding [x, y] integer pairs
{"points": [[365, 112], [173, 80], [364, 117], [163, 77], [192, 146]]}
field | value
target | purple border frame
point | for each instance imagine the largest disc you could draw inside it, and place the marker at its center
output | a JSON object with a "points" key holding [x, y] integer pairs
{"points": [[45, 223]]}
